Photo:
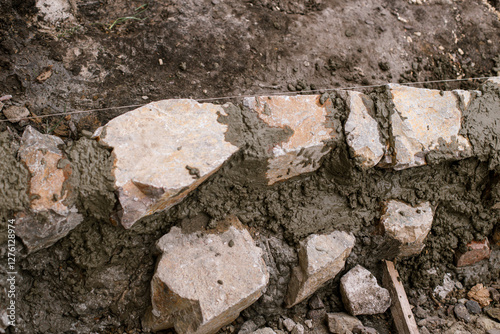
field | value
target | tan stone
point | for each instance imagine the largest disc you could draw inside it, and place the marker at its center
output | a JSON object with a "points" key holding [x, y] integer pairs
{"points": [[361, 129], [321, 258], [204, 280], [162, 151], [342, 323], [307, 118], [425, 120], [480, 294], [476, 251], [15, 113], [49, 219], [408, 225]]}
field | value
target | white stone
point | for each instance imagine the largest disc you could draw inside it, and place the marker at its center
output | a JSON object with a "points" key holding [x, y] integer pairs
{"points": [[342, 323], [289, 324], [444, 289], [307, 118], [162, 151], [204, 280], [425, 120], [265, 330], [408, 225], [361, 129], [321, 258], [361, 293], [55, 10], [298, 329]]}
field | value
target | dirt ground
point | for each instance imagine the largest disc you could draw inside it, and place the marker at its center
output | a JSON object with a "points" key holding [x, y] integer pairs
{"points": [[116, 54]]}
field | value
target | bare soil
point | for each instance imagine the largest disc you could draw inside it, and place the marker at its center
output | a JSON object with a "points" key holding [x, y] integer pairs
{"points": [[117, 54]]}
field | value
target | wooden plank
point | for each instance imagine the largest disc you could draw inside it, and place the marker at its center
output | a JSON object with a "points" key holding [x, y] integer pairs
{"points": [[400, 308]]}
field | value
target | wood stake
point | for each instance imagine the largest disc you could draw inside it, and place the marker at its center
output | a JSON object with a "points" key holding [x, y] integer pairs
{"points": [[400, 308]]}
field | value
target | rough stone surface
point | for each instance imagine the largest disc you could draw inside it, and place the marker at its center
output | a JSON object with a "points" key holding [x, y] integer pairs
{"points": [[362, 133], [461, 312], [306, 117], [444, 289], [201, 283], [424, 121], [321, 258], [364, 330], [248, 327], [298, 329], [480, 294], [315, 303], [265, 330], [408, 225], [15, 113], [162, 151], [342, 323], [49, 219], [361, 293], [493, 312], [476, 251], [473, 307], [289, 324]]}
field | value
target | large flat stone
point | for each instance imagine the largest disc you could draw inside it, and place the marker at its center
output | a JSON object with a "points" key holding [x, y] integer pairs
{"points": [[361, 293], [49, 218], [306, 117], [408, 225], [204, 280], [162, 151], [321, 258], [362, 133], [423, 121]]}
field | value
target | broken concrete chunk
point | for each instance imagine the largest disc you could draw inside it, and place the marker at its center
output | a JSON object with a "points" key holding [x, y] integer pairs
{"points": [[201, 283], [476, 251], [408, 225], [49, 219], [307, 118], [465, 97], [162, 151], [342, 323], [15, 113], [321, 258], [361, 293], [361, 129], [424, 121]]}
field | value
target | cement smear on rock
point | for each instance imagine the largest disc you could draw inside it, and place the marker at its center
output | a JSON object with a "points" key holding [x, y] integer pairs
{"points": [[102, 271]]}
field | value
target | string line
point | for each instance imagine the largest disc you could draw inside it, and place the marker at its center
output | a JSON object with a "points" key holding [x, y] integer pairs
{"points": [[264, 94]]}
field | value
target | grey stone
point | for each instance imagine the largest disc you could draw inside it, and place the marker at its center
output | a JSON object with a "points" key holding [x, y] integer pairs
{"points": [[342, 323], [361, 293], [15, 113], [493, 312], [309, 323], [50, 216], [162, 151], [361, 129], [408, 225], [316, 315], [248, 327], [201, 284], [495, 295], [316, 303], [473, 307], [298, 329], [321, 258], [461, 312], [493, 331], [289, 324], [364, 330], [425, 121], [265, 330]]}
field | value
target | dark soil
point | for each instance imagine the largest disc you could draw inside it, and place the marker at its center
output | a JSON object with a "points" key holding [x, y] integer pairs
{"points": [[97, 278]]}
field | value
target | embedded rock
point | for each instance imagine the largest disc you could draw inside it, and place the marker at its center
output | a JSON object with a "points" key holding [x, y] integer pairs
{"points": [[306, 117], [425, 121], [361, 293], [342, 323], [162, 151], [480, 294], [201, 282], [476, 251], [361, 129], [50, 218], [15, 113], [321, 258], [265, 330], [408, 225]]}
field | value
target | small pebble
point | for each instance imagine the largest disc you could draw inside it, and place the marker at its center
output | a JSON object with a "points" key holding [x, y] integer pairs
{"points": [[289, 324], [298, 329], [473, 307], [230, 243], [309, 324], [462, 313]]}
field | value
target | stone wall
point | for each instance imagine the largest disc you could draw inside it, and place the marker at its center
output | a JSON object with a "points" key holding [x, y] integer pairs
{"points": [[149, 160]]}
